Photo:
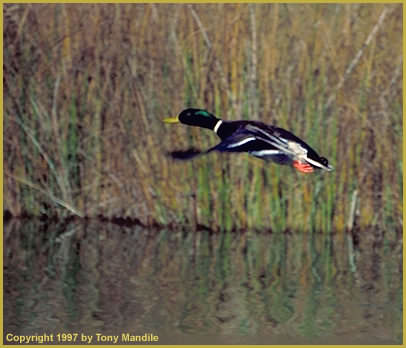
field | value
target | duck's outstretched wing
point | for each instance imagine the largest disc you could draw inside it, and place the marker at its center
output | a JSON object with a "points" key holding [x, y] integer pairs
{"points": [[289, 145], [252, 139]]}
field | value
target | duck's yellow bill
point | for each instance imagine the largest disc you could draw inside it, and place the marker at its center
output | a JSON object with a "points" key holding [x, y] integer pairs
{"points": [[171, 119]]}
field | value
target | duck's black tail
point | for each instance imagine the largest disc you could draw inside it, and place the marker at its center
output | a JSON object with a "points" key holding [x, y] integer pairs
{"points": [[184, 155], [192, 152]]}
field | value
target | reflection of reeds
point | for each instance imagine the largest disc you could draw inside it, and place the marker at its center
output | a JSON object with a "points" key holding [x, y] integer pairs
{"points": [[85, 95], [310, 286]]}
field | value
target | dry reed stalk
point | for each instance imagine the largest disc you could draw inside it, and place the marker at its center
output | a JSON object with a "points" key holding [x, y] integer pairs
{"points": [[56, 200], [219, 68], [357, 57], [253, 100]]}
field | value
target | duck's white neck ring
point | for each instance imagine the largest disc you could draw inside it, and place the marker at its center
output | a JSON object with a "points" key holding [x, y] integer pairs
{"points": [[217, 126]]}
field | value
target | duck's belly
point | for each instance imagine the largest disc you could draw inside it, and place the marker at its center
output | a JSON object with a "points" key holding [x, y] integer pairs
{"points": [[272, 155]]}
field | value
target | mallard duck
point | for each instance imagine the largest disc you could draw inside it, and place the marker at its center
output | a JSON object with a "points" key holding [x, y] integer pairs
{"points": [[258, 139]]}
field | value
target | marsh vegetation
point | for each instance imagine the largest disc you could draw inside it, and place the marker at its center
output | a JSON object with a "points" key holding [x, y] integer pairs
{"points": [[86, 88]]}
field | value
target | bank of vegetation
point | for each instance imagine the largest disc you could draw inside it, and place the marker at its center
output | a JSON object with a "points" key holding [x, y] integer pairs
{"points": [[87, 85]]}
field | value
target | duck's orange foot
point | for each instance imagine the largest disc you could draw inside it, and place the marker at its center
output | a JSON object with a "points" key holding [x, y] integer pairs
{"points": [[303, 167]]}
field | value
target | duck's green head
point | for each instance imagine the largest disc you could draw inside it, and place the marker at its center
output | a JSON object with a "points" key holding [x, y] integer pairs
{"points": [[194, 117]]}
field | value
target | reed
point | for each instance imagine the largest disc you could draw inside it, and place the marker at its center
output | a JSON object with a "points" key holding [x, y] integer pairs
{"points": [[84, 97]]}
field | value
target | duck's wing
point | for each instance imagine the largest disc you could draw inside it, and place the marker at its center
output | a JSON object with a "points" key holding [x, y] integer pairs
{"points": [[290, 145], [256, 140], [240, 141]]}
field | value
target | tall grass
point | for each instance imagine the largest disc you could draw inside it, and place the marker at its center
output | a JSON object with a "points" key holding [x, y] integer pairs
{"points": [[84, 96]]}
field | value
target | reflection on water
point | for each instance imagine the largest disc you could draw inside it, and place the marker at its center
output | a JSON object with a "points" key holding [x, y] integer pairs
{"points": [[201, 287]]}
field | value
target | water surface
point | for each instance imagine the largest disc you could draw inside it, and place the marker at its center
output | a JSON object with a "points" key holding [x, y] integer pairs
{"points": [[201, 287]]}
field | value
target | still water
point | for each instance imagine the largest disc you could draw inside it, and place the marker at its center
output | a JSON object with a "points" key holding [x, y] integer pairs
{"points": [[101, 281]]}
